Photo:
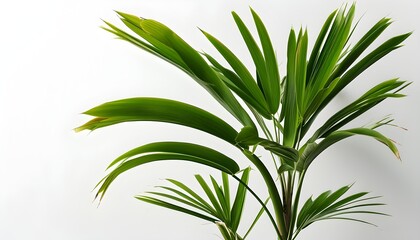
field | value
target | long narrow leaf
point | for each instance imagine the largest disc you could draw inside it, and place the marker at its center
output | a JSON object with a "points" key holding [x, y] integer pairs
{"points": [[135, 162], [270, 61], [259, 61], [221, 199], [290, 107], [238, 204], [192, 198], [215, 203], [179, 148], [242, 72], [161, 203], [162, 110], [193, 194], [342, 134], [173, 48]]}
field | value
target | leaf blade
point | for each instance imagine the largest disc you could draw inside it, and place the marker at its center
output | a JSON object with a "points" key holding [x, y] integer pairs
{"points": [[157, 109]]}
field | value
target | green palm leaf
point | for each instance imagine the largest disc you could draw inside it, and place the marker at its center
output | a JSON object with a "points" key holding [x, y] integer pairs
{"points": [[175, 207], [180, 148], [290, 109], [382, 91], [329, 206], [167, 151], [174, 49], [260, 63], [157, 109], [315, 149], [217, 210], [271, 64], [235, 83], [242, 72]]}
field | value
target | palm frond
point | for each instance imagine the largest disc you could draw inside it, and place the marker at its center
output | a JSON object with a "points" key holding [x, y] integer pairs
{"points": [[332, 205], [173, 48], [161, 110], [217, 208]]}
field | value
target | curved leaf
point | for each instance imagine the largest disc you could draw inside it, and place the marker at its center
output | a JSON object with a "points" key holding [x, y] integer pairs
{"points": [[221, 164], [288, 154], [272, 190], [336, 136], [249, 136], [161, 110], [180, 148], [380, 92]]}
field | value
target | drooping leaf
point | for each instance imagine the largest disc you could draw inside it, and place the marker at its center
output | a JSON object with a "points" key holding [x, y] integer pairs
{"points": [[169, 151], [157, 109], [288, 154], [174, 49], [343, 134], [180, 148], [249, 136], [380, 92]]}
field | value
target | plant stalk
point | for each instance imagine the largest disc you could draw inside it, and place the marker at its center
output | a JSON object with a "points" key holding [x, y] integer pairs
{"points": [[273, 192]]}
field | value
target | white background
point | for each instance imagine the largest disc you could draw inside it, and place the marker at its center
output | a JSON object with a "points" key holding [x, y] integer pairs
{"points": [[55, 62]]}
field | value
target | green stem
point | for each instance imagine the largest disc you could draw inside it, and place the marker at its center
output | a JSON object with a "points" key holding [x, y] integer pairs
{"points": [[263, 209], [288, 198], [276, 130], [274, 161], [261, 123], [295, 207], [261, 202], [272, 190]]}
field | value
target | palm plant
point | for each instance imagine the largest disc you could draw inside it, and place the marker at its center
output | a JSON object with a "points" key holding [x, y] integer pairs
{"points": [[283, 110]]}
